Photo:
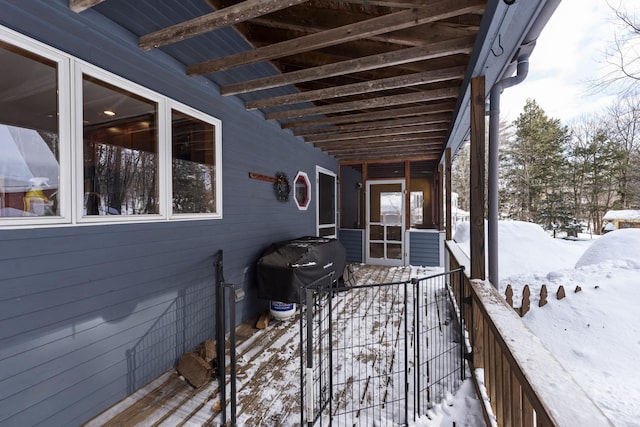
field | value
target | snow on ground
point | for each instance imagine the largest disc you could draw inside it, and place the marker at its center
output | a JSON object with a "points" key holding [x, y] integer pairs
{"points": [[595, 334]]}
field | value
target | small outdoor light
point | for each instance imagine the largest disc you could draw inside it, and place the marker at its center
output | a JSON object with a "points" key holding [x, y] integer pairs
{"points": [[509, 2]]}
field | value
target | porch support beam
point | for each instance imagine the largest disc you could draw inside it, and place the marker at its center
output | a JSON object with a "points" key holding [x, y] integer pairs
{"points": [[439, 188], [447, 165], [477, 180]]}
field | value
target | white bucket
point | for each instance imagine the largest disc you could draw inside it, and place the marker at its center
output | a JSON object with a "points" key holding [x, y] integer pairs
{"points": [[282, 310]]}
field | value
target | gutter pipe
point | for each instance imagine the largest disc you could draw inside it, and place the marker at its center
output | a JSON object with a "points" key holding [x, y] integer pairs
{"points": [[494, 151]]}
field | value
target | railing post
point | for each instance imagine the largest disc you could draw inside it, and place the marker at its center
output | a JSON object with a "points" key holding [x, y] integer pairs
{"points": [[416, 356], [463, 321], [221, 334], [406, 357], [235, 295]]}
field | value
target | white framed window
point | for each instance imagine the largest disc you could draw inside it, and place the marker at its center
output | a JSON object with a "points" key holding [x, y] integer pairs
{"points": [[196, 155], [119, 162], [137, 155], [34, 133]]}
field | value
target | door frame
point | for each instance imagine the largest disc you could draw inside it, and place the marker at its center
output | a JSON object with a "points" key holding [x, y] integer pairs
{"points": [[321, 170], [385, 261]]}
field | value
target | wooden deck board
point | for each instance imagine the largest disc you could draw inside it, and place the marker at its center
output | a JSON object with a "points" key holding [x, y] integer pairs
{"points": [[268, 371]]}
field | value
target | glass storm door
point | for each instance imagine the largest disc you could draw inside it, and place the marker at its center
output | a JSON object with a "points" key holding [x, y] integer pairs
{"points": [[326, 213], [385, 222]]}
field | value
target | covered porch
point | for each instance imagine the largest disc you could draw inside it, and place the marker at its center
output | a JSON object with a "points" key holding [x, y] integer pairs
{"points": [[374, 96], [367, 343]]}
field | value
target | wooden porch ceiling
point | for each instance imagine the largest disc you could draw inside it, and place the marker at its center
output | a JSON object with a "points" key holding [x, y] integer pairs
{"points": [[363, 80]]}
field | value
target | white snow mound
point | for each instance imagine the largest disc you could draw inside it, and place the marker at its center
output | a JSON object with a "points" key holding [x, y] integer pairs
{"points": [[525, 247], [619, 245]]}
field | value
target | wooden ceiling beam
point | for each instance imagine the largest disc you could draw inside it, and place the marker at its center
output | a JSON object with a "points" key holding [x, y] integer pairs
{"points": [[399, 148], [360, 30], [441, 107], [413, 36], [377, 125], [385, 152], [404, 130], [382, 158], [359, 88], [79, 5], [462, 45], [407, 4], [366, 104], [212, 21], [416, 137]]}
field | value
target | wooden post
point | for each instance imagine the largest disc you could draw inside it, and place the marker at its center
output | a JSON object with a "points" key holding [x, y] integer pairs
{"points": [[478, 337], [508, 293], [516, 401], [407, 194], [561, 294], [447, 160], [526, 301], [497, 356], [527, 412], [439, 198], [506, 393], [543, 296], [476, 176]]}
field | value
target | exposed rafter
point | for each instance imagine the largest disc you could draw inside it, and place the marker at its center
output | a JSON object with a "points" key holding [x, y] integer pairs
{"points": [[404, 130], [371, 116], [359, 88], [212, 21], [359, 79], [376, 125], [410, 98], [399, 57], [433, 138], [383, 24], [80, 5]]}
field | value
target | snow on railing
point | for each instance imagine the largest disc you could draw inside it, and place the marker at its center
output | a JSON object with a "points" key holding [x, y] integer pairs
{"points": [[524, 383]]}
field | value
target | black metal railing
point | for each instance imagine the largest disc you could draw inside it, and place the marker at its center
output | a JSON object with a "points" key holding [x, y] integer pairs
{"points": [[379, 353]]}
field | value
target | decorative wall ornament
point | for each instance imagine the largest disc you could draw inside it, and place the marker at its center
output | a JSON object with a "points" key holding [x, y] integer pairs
{"points": [[282, 187], [281, 184], [302, 190]]}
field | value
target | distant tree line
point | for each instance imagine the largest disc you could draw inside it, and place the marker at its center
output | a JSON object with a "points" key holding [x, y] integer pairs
{"points": [[560, 176], [554, 175]]}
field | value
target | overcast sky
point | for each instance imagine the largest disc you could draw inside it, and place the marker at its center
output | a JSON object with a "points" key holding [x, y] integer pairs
{"points": [[569, 54]]}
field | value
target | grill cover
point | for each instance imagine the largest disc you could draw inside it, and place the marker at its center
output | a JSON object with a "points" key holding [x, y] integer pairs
{"points": [[286, 266]]}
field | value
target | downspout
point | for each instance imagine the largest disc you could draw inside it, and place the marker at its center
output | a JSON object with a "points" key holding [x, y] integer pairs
{"points": [[494, 151]]}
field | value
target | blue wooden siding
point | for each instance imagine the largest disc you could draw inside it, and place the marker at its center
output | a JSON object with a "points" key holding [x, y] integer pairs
{"points": [[352, 240], [424, 248], [88, 314]]}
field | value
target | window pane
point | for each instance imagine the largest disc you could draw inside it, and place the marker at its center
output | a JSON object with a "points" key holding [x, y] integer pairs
{"points": [[120, 151], [417, 202], [29, 135], [193, 165]]}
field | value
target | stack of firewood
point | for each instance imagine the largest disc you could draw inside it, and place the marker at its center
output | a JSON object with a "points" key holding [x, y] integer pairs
{"points": [[199, 367]]}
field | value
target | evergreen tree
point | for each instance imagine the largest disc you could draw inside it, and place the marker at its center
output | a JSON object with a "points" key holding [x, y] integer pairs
{"points": [[534, 167]]}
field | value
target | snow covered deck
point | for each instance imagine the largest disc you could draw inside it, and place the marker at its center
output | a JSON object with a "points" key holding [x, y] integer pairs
{"points": [[268, 373]]}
